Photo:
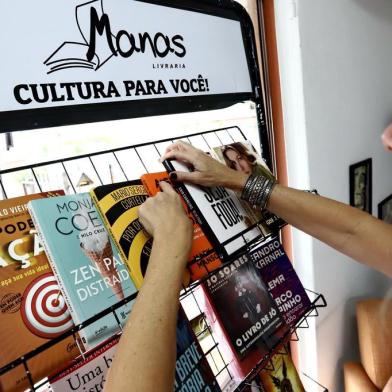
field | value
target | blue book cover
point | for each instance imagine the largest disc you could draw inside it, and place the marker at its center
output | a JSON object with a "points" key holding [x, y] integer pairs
{"points": [[193, 372], [89, 270]]}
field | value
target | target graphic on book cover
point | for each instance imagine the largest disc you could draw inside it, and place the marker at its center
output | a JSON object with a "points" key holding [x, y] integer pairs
{"points": [[43, 309]]}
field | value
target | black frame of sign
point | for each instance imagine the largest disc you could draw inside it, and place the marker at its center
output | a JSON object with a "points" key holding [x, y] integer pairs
{"points": [[77, 114]]}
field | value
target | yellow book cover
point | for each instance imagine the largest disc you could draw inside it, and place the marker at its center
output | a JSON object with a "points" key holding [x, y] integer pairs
{"points": [[118, 205], [283, 377]]}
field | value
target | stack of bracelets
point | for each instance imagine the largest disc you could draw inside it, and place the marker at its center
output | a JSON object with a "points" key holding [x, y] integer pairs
{"points": [[257, 190]]}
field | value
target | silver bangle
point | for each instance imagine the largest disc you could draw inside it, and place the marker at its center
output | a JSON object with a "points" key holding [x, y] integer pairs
{"points": [[257, 191]]}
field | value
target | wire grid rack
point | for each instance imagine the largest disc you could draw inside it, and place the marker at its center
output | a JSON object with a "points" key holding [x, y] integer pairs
{"points": [[116, 165], [81, 173], [104, 167], [101, 168], [318, 301]]}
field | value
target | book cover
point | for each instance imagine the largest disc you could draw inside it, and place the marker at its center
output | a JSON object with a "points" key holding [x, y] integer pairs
{"points": [[242, 156], [254, 385], [31, 310], [201, 259], [88, 374], [283, 377], [281, 280], [87, 265], [219, 213], [193, 373], [247, 311], [118, 204], [239, 367]]}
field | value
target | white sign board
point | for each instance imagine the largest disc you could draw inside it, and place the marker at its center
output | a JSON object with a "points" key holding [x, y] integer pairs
{"points": [[59, 53]]}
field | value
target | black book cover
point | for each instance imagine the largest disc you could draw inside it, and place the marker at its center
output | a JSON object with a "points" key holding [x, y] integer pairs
{"points": [[247, 312]]}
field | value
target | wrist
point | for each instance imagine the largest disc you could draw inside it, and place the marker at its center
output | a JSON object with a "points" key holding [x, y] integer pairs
{"points": [[175, 243], [257, 191], [236, 180]]}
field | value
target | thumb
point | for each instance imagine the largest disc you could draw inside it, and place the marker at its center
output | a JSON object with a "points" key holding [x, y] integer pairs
{"points": [[191, 177]]}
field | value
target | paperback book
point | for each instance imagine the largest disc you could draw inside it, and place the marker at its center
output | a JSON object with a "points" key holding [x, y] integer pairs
{"points": [[281, 280], [219, 213], [90, 272], [238, 367], [118, 204], [254, 385], [88, 374], [32, 310], [283, 377], [248, 314], [192, 372], [242, 156], [202, 259]]}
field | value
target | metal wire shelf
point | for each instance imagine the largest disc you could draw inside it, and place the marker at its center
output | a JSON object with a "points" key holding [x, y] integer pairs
{"points": [[130, 162]]}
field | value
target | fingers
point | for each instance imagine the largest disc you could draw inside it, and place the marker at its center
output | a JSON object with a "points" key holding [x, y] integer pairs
{"points": [[191, 177], [143, 215], [181, 151], [181, 156], [166, 187]]}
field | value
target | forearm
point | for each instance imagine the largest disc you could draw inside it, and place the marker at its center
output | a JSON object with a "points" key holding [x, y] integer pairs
{"points": [[347, 229], [146, 354]]}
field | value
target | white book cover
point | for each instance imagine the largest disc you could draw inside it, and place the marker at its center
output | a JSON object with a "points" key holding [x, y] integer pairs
{"points": [[219, 212], [243, 157], [88, 375]]}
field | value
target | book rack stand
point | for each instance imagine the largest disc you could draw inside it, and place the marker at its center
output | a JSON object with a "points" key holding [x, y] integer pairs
{"points": [[214, 71], [135, 154]]}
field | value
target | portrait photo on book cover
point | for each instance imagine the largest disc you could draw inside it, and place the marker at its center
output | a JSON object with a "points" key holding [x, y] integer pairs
{"points": [[243, 157], [246, 309]]}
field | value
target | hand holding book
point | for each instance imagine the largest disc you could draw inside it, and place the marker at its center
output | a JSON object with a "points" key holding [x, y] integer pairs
{"points": [[315, 215], [164, 217], [206, 171]]}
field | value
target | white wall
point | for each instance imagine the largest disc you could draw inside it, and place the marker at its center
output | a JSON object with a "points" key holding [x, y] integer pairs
{"points": [[336, 72]]}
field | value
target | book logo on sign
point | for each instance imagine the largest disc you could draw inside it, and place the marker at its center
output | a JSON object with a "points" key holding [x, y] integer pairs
{"points": [[99, 44]]}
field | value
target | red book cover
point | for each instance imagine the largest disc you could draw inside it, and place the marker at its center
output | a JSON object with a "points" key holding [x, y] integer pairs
{"points": [[240, 368], [199, 265], [32, 309]]}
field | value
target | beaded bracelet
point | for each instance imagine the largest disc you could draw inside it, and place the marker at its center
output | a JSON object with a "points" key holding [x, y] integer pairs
{"points": [[257, 190]]}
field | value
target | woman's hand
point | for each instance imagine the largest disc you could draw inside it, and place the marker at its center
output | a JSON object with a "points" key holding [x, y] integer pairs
{"points": [[207, 171], [163, 216]]}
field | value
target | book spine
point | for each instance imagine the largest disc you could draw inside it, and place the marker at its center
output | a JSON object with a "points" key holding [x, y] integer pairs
{"points": [[200, 218], [49, 255], [111, 234], [150, 193]]}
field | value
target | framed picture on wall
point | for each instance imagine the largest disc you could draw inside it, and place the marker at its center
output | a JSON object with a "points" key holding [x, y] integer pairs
{"points": [[361, 185], [385, 210]]}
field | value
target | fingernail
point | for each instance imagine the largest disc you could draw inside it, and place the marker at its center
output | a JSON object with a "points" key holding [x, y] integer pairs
{"points": [[173, 176]]}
